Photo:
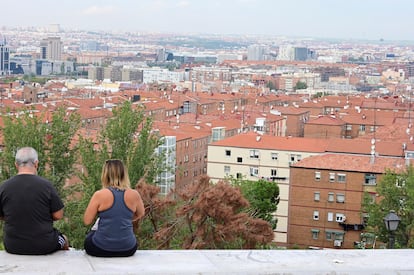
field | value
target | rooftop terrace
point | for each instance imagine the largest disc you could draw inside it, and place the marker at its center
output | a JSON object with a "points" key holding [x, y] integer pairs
{"points": [[380, 261]]}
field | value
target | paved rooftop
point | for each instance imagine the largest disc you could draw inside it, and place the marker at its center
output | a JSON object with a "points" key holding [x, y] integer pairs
{"points": [[287, 262]]}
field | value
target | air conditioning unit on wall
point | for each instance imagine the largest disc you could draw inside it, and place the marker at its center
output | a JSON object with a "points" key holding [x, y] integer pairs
{"points": [[337, 243]]}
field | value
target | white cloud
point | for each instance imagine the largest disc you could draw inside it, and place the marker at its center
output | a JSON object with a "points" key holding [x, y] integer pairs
{"points": [[97, 10]]}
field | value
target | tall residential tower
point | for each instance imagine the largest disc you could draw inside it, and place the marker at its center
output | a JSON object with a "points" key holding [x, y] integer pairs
{"points": [[51, 48], [4, 57]]}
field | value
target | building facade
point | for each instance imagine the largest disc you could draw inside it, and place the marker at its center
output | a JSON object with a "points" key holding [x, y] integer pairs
{"points": [[326, 195], [4, 57], [51, 48]]}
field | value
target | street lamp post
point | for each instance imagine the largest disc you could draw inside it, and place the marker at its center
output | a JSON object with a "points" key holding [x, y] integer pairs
{"points": [[391, 223]]}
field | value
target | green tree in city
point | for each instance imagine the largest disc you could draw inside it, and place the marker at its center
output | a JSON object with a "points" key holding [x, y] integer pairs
{"points": [[263, 197], [396, 192], [300, 85], [270, 85], [51, 140], [126, 136]]}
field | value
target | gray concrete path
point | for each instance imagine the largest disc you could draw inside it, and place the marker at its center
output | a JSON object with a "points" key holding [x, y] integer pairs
{"points": [[332, 262]]}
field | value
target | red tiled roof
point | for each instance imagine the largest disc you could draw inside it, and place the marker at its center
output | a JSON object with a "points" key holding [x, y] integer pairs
{"points": [[253, 140], [356, 163], [363, 146], [326, 120]]}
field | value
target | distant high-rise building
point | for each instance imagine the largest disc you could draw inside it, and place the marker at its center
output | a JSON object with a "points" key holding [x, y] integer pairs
{"points": [[256, 52], [288, 52], [161, 55], [4, 57], [300, 53], [285, 53], [51, 48]]}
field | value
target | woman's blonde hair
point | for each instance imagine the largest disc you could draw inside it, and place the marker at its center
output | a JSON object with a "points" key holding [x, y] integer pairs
{"points": [[115, 174]]}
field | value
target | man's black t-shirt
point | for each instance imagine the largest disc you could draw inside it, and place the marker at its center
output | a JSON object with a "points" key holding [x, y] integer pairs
{"points": [[27, 203]]}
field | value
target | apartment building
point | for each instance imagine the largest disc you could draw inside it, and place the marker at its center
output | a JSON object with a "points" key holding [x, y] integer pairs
{"points": [[325, 127], [51, 48], [4, 57], [252, 157], [326, 194], [296, 119]]}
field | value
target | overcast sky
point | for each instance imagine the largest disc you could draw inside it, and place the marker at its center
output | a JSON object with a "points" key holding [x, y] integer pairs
{"points": [[349, 19]]}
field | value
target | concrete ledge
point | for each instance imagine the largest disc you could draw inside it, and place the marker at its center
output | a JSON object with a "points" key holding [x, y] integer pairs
{"points": [[290, 262]]}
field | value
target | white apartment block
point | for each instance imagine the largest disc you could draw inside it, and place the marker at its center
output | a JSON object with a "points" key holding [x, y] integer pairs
{"points": [[252, 157], [256, 52], [155, 75]]}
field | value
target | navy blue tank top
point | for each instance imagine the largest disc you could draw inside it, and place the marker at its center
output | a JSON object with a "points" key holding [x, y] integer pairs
{"points": [[115, 232]]}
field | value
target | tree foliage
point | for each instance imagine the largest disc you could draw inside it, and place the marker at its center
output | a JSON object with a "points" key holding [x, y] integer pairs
{"points": [[51, 140], [396, 192], [206, 216], [263, 197], [126, 136], [300, 85]]}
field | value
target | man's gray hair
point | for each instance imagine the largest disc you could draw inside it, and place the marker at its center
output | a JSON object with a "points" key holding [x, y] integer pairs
{"points": [[26, 155]]}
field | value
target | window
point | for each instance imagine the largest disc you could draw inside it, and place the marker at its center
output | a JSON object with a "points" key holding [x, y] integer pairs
{"points": [[186, 158], [334, 234], [274, 156], [340, 198], [341, 178], [339, 217], [316, 215], [318, 176], [239, 159], [273, 172], [294, 157], [331, 197], [348, 127], [239, 175], [328, 235], [315, 234], [228, 153], [254, 154], [254, 171], [370, 179], [316, 196], [330, 216], [331, 177], [362, 128], [226, 170]]}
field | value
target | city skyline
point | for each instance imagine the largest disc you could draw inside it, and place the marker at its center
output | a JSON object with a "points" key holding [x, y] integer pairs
{"points": [[337, 19]]}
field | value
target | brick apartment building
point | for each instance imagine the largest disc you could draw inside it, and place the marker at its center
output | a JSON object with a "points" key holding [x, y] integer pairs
{"points": [[326, 194]]}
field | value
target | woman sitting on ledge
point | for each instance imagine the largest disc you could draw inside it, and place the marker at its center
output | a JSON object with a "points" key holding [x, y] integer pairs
{"points": [[117, 206]]}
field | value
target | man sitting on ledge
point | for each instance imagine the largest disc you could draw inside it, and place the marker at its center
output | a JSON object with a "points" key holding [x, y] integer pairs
{"points": [[28, 205]]}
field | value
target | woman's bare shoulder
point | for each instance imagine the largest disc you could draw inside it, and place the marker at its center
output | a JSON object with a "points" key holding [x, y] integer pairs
{"points": [[132, 193], [102, 193]]}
